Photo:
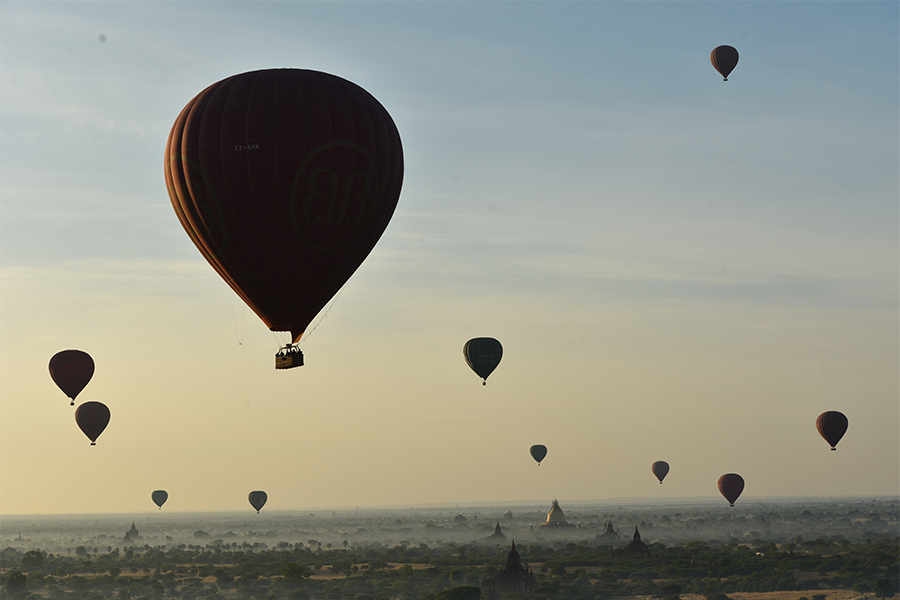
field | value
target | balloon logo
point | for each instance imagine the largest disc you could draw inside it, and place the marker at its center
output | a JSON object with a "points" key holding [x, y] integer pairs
{"points": [[832, 426], [660, 468], [538, 452], [258, 500], [284, 179], [724, 59], [92, 418], [159, 497], [483, 355], [71, 370], [731, 485]]}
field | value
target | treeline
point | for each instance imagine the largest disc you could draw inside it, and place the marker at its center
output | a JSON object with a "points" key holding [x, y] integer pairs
{"points": [[564, 571]]}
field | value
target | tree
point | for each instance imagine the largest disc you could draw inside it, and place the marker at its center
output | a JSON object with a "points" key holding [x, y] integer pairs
{"points": [[32, 560], [463, 592], [294, 572], [15, 582], [884, 588]]}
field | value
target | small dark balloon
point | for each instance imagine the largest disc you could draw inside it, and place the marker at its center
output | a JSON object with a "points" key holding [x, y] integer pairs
{"points": [[159, 497], [483, 355], [71, 370], [832, 426], [538, 453], [660, 468], [731, 485], [101, 37], [258, 500], [92, 418], [724, 59]]}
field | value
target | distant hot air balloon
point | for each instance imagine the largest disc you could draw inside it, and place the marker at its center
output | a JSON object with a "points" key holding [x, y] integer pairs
{"points": [[258, 500], [731, 485], [92, 418], [538, 452], [159, 497], [71, 370], [832, 426], [483, 355], [660, 468], [284, 179], [724, 59]]}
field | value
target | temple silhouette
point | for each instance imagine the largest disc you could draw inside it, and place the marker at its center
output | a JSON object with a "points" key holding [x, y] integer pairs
{"points": [[608, 537], [636, 547], [132, 536], [515, 578], [497, 536]]}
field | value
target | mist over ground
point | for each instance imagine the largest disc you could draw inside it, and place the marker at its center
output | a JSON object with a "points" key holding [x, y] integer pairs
{"points": [[671, 523]]}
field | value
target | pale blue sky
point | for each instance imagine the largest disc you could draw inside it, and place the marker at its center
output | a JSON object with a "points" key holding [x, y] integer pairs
{"points": [[679, 268]]}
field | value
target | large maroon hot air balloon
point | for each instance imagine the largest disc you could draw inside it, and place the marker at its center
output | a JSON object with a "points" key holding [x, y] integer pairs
{"points": [[71, 370], [724, 59], [92, 418], [284, 179], [731, 485], [832, 426], [660, 468]]}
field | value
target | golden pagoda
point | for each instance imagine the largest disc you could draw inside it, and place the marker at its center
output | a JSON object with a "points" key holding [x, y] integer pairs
{"points": [[555, 518]]}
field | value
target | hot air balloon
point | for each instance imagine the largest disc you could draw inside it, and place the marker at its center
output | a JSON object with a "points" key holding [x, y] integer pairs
{"points": [[660, 468], [832, 426], [483, 355], [284, 179], [71, 370], [731, 485], [258, 500], [159, 497], [92, 418], [538, 452], [724, 59]]}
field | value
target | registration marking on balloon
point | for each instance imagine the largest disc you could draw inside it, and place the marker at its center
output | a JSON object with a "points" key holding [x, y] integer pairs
{"points": [[342, 201]]}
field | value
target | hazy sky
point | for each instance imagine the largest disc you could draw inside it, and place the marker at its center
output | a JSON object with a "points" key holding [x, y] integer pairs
{"points": [[679, 268]]}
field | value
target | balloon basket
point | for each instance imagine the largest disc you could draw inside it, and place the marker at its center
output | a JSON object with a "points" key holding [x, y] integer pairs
{"points": [[288, 358]]}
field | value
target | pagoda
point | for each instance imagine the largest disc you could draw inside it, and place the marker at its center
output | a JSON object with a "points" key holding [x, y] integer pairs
{"points": [[556, 519], [515, 578], [132, 536], [497, 536]]}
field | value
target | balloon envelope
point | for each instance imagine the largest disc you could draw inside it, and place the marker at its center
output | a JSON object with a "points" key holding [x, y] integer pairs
{"points": [[92, 418], [731, 485], [284, 179], [538, 452], [159, 497], [724, 59], [660, 468], [483, 355], [71, 370], [832, 426], [258, 500]]}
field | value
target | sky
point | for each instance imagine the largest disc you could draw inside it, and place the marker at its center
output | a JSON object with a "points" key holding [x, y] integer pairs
{"points": [[678, 268]]}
